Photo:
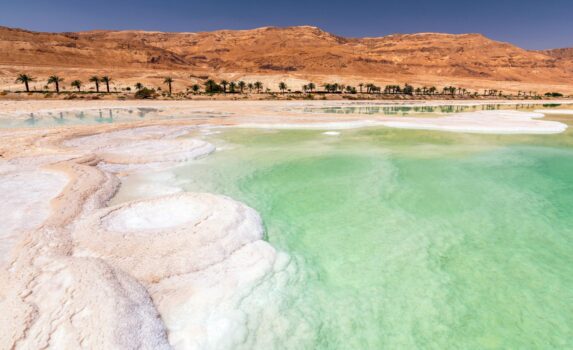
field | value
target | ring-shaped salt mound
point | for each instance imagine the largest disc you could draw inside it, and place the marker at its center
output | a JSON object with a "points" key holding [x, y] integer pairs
{"points": [[176, 234], [152, 216]]}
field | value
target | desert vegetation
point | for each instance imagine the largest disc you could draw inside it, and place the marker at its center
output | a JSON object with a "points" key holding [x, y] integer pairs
{"points": [[309, 90]]}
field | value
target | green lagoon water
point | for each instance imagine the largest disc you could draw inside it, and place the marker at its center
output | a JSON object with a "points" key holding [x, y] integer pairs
{"points": [[405, 239]]}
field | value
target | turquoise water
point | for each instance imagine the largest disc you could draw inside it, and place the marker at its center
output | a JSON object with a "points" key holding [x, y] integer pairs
{"points": [[407, 239], [402, 239]]}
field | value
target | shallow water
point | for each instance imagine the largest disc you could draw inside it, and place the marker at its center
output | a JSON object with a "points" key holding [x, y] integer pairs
{"points": [[421, 111], [80, 117], [402, 239]]}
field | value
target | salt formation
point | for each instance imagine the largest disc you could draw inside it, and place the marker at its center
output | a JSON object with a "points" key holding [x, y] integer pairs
{"points": [[194, 253], [157, 273], [25, 210], [492, 122], [555, 111], [488, 122], [152, 154], [75, 303], [145, 148]]}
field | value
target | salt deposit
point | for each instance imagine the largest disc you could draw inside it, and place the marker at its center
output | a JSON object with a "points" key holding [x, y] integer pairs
{"points": [[490, 122], [196, 253], [555, 111], [146, 148], [24, 210]]}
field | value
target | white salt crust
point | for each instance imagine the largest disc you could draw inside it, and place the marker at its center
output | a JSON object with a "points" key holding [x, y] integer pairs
{"points": [[196, 254], [488, 122]]}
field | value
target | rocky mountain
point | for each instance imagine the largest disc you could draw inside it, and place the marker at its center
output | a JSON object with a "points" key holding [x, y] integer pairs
{"points": [[295, 53]]}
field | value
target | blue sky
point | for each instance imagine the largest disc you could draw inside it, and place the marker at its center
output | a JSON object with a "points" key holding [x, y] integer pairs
{"points": [[532, 24]]}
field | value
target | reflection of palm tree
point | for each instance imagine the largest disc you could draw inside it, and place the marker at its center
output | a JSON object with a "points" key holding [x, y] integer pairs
{"points": [[95, 79], [77, 84], [168, 81], [56, 80], [106, 80], [25, 79]]}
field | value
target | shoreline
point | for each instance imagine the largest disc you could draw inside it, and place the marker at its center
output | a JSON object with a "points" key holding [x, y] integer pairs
{"points": [[295, 114], [59, 253], [137, 252]]}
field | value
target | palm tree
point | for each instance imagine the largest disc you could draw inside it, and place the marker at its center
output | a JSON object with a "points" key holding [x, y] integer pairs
{"points": [[168, 81], [224, 84], [369, 88], [232, 86], [305, 88], [258, 86], [106, 80], [77, 84], [138, 86], [250, 86], [311, 86], [282, 87], [211, 86], [25, 79], [242, 85], [195, 88], [95, 79], [56, 80], [361, 85]]}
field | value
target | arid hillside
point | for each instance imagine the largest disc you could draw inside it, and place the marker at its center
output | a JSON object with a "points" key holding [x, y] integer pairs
{"points": [[295, 55]]}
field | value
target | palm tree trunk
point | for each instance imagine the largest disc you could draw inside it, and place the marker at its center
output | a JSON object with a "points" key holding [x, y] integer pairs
{"points": [[57, 87], [107, 87]]}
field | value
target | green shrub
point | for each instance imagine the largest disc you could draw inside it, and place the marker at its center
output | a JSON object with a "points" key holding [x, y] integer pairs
{"points": [[145, 93], [553, 94]]}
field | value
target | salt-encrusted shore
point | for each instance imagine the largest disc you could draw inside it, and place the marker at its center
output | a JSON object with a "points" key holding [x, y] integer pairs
{"points": [[294, 114], [141, 275], [161, 272]]}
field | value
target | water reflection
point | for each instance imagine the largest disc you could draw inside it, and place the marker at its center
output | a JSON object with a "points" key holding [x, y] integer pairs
{"points": [[95, 116], [408, 110]]}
